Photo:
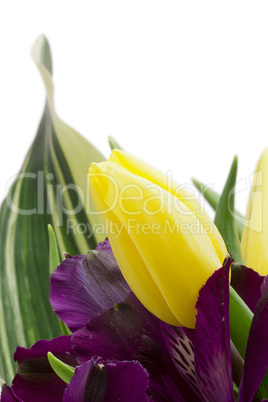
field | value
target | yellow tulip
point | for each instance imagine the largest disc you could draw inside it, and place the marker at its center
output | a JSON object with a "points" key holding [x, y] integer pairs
{"points": [[164, 248], [142, 169], [254, 242]]}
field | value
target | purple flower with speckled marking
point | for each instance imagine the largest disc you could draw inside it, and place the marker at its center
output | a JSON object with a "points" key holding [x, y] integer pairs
{"points": [[122, 351]]}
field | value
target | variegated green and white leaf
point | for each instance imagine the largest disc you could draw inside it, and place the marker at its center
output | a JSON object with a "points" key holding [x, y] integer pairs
{"points": [[50, 189]]}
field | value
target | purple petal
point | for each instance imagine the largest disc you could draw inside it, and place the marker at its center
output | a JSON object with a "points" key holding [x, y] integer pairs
{"points": [[8, 395], [129, 331], [83, 286], [212, 338], [247, 283], [35, 379], [256, 358], [179, 342], [116, 333], [108, 381], [264, 285], [104, 246]]}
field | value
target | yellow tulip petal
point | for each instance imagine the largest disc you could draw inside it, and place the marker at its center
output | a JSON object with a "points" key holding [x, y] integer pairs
{"points": [[129, 260], [142, 169], [254, 242], [173, 245]]}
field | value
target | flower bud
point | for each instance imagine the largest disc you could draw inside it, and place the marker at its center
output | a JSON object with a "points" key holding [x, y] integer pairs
{"points": [[254, 242], [159, 240]]}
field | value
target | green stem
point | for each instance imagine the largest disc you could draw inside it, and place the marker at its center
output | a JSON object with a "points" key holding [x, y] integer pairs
{"points": [[237, 365], [240, 322], [240, 302]]}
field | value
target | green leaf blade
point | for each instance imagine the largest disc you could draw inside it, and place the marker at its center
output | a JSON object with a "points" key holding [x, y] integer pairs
{"points": [[58, 159], [240, 322], [225, 215], [54, 262], [75, 149], [212, 197]]}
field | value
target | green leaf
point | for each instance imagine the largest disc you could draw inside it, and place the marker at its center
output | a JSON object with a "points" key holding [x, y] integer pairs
{"points": [[54, 259], [240, 322], [240, 314], [213, 199], [54, 262], [63, 370], [45, 192], [236, 390], [64, 329], [71, 155], [263, 388], [113, 143], [224, 218]]}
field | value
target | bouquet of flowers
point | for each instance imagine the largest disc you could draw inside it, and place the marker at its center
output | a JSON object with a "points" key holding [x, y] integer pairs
{"points": [[132, 293]]}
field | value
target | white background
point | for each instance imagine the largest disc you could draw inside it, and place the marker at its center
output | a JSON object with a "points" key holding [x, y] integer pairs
{"points": [[181, 84]]}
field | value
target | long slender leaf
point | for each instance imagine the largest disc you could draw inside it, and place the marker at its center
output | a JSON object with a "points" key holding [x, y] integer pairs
{"points": [[71, 155], [213, 198], [240, 322], [54, 262], [240, 314], [224, 218], [44, 193]]}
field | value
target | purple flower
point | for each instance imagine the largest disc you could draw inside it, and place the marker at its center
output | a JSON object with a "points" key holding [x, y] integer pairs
{"points": [[8, 395], [83, 286], [35, 379], [122, 351], [97, 380]]}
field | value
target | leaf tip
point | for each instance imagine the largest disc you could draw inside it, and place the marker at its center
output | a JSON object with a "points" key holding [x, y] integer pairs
{"points": [[235, 162], [197, 184], [50, 357], [41, 53], [195, 181], [63, 370], [113, 143]]}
